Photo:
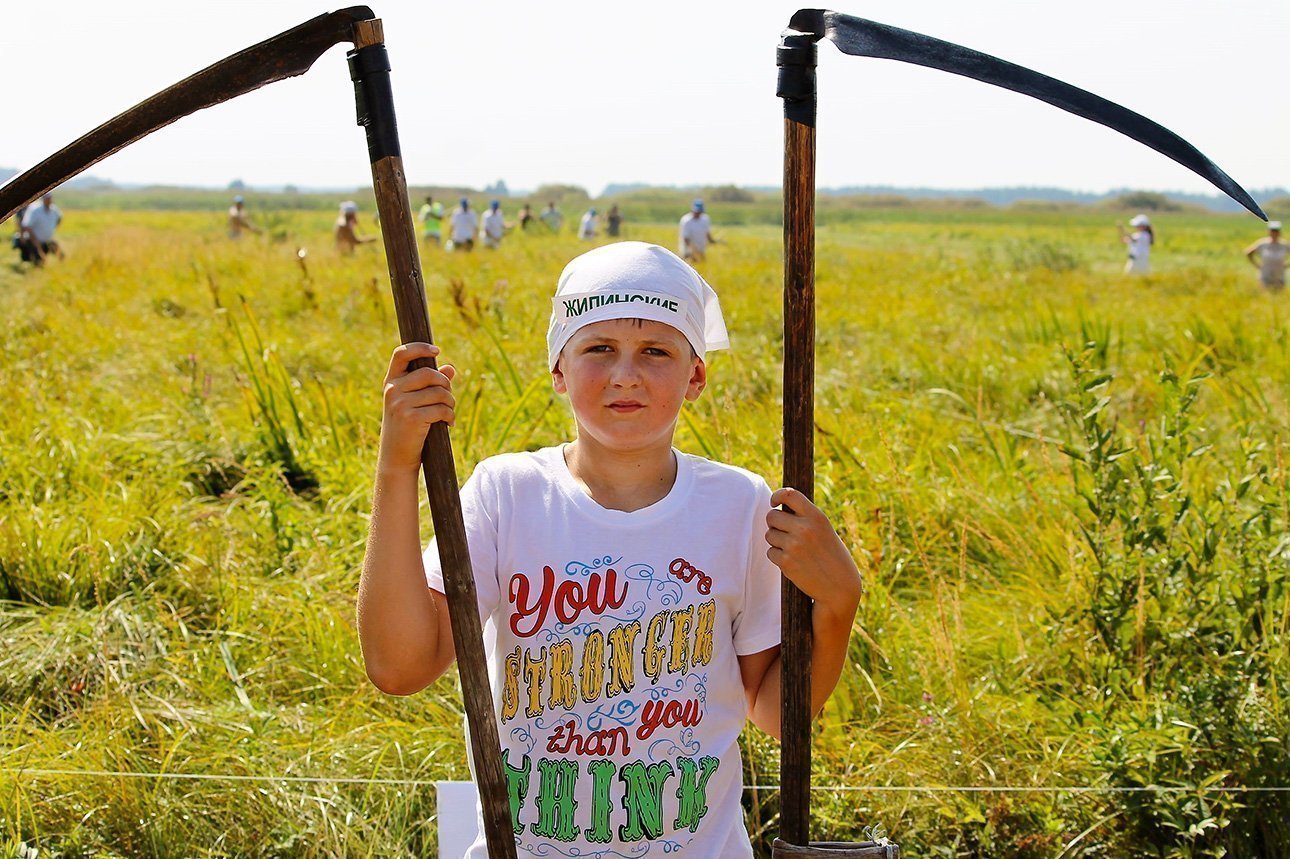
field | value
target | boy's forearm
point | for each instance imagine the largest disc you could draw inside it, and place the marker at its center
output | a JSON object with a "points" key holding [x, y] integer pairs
{"points": [[830, 636], [398, 622]]}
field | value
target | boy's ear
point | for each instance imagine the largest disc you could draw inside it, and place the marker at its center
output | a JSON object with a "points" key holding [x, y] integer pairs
{"points": [[698, 380], [557, 379]]}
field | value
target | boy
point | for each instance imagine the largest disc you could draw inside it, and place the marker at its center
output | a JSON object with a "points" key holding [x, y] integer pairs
{"points": [[630, 592]]}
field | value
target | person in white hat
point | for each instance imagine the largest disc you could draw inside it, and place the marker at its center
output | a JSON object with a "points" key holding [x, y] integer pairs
{"points": [[347, 237], [630, 591], [1268, 255], [1139, 243]]}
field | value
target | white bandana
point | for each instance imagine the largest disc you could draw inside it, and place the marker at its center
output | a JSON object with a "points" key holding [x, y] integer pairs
{"points": [[635, 280]]}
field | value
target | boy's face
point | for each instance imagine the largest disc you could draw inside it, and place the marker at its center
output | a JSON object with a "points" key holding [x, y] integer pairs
{"points": [[627, 379]]}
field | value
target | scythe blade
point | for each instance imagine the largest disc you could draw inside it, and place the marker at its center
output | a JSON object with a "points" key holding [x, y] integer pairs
{"points": [[285, 55], [863, 38]]}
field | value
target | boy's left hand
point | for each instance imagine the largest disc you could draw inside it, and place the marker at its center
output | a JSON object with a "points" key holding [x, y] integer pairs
{"points": [[805, 547]]}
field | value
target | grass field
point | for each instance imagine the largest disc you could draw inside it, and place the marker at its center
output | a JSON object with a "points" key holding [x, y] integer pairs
{"points": [[1067, 491]]}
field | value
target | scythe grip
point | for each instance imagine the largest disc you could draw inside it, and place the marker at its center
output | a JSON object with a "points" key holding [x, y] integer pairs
{"points": [[796, 58], [369, 69]]}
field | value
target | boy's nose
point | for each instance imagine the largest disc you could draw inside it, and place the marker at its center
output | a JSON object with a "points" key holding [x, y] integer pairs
{"points": [[625, 373]]}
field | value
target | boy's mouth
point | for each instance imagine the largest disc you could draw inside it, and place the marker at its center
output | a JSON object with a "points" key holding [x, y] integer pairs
{"points": [[626, 405]]}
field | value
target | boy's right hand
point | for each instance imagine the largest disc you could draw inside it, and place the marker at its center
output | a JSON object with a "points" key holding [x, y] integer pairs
{"points": [[414, 399]]}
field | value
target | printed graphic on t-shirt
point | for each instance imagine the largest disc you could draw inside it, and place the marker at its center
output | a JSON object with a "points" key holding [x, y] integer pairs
{"points": [[607, 686]]}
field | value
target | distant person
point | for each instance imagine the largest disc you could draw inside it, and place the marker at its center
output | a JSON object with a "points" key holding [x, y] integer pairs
{"points": [[553, 218], [237, 220], [36, 234], [613, 222], [587, 226], [1139, 243], [347, 237], [696, 233], [431, 218], [464, 226], [16, 239], [1268, 255], [495, 225], [526, 217]]}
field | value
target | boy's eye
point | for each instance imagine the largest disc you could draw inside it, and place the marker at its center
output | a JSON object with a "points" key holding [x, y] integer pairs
{"points": [[599, 347], [655, 350]]}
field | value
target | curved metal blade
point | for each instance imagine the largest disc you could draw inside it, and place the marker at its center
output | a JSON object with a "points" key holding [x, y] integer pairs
{"points": [[864, 38], [286, 55]]}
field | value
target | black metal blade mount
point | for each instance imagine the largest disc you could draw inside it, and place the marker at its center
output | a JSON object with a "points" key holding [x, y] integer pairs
{"points": [[864, 38], [285, 55]]}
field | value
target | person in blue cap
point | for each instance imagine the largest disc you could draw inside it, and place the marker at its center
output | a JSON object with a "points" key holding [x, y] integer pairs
{"points": [[237, 221], [495, 225], [587, 226], [464, 227], [696, 233]]}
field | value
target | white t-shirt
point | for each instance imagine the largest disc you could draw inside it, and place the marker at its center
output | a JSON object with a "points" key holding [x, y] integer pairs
{"points": [[587, 226], [612, 641], [694, 230], [42, 221], [494, 224], [1139, 251], [463, 225], [1272, 260]]}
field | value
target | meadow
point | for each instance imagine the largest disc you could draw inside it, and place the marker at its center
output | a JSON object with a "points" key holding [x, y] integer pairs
{"points": [[1067, 491]]}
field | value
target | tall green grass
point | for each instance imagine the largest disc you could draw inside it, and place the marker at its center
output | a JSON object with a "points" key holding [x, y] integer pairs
{"points": [[1067, 491]]}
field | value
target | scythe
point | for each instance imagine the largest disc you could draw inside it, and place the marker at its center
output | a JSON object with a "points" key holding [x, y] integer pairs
{"points": [[796, 60], [288, 54]]}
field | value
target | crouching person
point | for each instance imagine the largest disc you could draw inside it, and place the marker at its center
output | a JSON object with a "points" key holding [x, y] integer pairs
{"points": [[35, 239]]}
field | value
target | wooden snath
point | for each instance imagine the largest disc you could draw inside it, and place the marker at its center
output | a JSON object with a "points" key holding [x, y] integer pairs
{"points": [[797, 59], [370, 70]]}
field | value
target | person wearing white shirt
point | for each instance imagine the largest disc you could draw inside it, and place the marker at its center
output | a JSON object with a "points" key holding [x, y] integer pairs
{"points": [[464, 227], [36, 236], [1139, 244], [587, 226], [1268, 255], [696, 233], [494, 225]]}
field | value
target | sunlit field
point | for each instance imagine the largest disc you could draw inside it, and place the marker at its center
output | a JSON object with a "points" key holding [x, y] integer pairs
{"points": [[1066, 488]]}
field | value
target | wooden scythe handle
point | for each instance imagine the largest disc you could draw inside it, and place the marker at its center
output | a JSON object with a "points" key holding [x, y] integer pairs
{"points": [[369, 69], [797, 87]]}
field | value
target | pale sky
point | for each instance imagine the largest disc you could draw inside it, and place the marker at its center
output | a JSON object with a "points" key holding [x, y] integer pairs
{"points": [[664, 92]]}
